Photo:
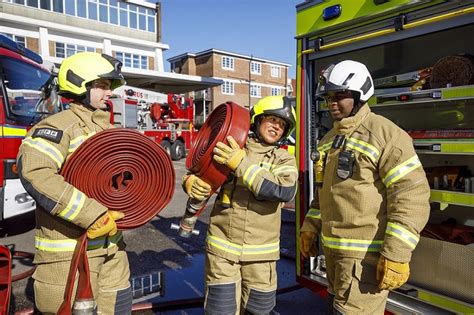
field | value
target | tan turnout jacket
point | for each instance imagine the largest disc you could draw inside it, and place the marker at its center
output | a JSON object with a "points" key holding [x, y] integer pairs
{"points": [[63, 212], [384, 205], [249, 230]]}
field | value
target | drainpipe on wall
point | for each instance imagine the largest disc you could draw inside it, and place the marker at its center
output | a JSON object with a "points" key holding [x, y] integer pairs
{"points": [[158, 22], [250, 80]]}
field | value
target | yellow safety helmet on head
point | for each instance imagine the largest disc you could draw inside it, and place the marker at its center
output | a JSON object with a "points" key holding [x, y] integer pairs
{"points": [[81, 69], [279, 106]]}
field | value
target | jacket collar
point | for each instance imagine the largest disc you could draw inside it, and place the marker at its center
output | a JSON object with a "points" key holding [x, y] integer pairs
{"points": [[256, 146], [98, 117], [347, 125]]}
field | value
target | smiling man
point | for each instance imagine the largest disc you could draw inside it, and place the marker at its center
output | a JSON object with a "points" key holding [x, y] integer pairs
{"points": [[244, 228]]}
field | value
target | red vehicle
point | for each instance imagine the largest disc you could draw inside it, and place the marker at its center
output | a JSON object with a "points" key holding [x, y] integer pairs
{"points": [[26, 96], [166, 118]]}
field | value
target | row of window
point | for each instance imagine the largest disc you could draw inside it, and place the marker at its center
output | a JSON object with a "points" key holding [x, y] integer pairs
{"points": [[107, 11], [65, 50], [132, 60], [19, 39], [227, 63], [255, 90]]}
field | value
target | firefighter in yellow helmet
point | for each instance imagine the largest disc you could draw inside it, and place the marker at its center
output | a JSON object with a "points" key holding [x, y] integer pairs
{"points": [[373, 200], [63, 212], [242, 244]]}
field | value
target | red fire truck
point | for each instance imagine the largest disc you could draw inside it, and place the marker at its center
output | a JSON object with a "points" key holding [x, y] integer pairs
{"points": [[26, 96], [166, 118]]}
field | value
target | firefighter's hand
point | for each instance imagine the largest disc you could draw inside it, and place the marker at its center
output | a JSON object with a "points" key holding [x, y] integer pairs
{"points": [[308, 245], [230, 156], [105, 224], [196, 188], [391, 274]]}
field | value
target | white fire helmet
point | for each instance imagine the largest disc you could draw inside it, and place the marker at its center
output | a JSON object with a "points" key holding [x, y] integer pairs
{"points": [[347, 75]]}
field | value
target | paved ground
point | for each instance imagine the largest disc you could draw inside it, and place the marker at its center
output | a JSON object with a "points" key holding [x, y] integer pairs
{"points": [[155, 247]]}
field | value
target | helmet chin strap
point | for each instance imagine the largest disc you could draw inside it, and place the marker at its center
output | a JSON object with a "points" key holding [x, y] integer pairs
{"points": [[357, 103]]}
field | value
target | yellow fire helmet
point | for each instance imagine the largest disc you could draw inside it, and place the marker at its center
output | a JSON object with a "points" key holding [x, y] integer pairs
{"points": [[79, 70], [279, 106]]}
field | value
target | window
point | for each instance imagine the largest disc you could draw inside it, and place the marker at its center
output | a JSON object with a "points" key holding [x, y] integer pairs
{"points": [[227, 88], [256, 67], [227, 63], [92, 7], [60, 50], [65, 50], [132, 60], [71, 8], [276, 91], [19, 39], [255, 90], [276, 71]]}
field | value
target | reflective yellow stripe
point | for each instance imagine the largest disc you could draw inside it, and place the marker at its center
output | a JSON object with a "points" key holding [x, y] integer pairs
{"points": [[285, 169], [401, 170], [352, 244], [314, 213], [250, 174], [69, 245], [266, 165], [363, 147], [76, 142], [45, 148], [326, 147], [245, 249], [403, 234], [74, 206], [13, 132]]}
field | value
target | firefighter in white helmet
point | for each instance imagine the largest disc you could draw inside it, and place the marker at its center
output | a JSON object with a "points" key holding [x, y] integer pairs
{"points": [[63, 212], [244, 229], [374, 197]]}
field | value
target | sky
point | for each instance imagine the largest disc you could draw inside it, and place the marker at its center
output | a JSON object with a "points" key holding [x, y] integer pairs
{"points": [[262, 28]]}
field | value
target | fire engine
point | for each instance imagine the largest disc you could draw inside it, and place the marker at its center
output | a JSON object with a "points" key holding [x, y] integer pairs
{"points": [[420, 56], [166, 118], [27, 95]]}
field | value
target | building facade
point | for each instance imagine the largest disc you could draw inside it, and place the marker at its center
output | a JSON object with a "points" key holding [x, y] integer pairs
{"points": [[128, 30], [246, 78]]}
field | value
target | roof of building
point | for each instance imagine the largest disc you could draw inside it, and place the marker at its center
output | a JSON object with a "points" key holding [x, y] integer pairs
{"points": [[227, 53]]}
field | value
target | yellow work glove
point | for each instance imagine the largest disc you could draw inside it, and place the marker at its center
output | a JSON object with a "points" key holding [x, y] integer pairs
{"points": [[105, 225], [391, 274], [230, 156], [196, 188], [308, 245]]}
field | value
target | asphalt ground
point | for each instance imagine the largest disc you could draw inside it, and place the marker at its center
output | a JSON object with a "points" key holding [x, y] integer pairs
{"points": [[155, 247]]}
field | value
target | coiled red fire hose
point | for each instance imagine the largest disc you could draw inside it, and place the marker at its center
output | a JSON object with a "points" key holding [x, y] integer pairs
{"points": [[125, 171], [228, 119]]}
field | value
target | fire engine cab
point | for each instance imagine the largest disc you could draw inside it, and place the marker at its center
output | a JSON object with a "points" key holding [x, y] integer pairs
{"points": [[26, 96], [165, 118]]}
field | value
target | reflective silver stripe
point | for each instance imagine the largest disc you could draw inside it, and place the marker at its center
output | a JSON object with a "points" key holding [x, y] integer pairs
{"points": [[403, 234], [250, 174], [314, 213], [76, 142], [352, 244], [244, 249], [266, 165], [363, 147], [69, 245], [284, 169], [45, 148], [327, 146], [74, 206], [401, 170]]}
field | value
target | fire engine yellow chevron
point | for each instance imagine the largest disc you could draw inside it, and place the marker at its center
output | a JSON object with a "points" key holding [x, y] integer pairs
{"points": [[45, 148], [403, 234], [250, 174], [314, 213], [13, 132], [401, 170], [74, 205], [363, 147], [352, 244], [76, 142]]}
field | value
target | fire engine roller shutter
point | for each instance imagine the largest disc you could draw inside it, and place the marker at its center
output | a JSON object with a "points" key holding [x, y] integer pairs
{"points": [[125, 171], [226, 119]]}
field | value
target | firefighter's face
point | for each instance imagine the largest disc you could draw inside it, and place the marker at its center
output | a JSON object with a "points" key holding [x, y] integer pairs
{"points": [[271, 128], [100, 93], [340, 104]]}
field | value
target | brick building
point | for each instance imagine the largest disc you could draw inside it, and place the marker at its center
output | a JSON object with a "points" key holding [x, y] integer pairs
{"points": [[246, 78]]}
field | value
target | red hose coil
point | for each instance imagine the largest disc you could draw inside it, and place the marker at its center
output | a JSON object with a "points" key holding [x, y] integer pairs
{"points": [[125, 171], [226, 119]]}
